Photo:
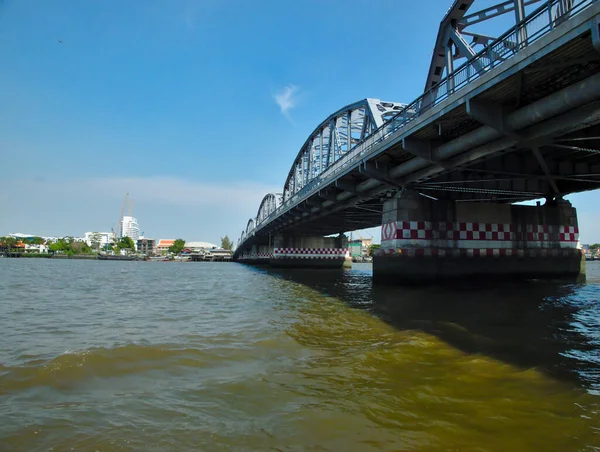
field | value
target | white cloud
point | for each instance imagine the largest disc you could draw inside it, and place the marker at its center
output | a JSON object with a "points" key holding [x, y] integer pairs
{"points": [[287, 98]]}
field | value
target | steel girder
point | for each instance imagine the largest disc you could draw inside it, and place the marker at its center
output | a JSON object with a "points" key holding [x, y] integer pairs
{"points": [[267, 206], [250, 226], [336, 136], [452, 44]]}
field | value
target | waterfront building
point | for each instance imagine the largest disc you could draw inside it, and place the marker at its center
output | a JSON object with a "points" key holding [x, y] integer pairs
{"points": [[196, 247], [25, 243], [33, 248], [28, 238], [355, 247], [163, 245], [359, 247], [146, 246], [21, 236], [220, 254], [105, 238], [130, 228]]}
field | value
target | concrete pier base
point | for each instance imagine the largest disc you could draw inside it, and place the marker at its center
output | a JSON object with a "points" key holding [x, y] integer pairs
{"points": [[254, 260], [399, 269], [294, 262], [309, 252], [289, 251], [257, 255], [425, 241]]}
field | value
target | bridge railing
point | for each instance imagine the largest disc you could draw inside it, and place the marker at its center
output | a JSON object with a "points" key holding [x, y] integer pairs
{"points": [[541, 21], [536, 25]]}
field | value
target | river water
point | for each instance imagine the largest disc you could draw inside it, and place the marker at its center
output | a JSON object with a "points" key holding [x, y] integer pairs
{"points": [[140, 356]]}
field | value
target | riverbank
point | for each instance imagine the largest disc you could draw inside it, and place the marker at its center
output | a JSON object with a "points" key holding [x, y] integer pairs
{"points": [[50, 256], [96, 257]]}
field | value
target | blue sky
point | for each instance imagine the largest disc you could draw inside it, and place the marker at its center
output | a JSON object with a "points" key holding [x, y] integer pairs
{"points": [[196, 108]]}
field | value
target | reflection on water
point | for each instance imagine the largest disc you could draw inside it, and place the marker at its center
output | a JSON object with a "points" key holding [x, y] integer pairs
{"points": [[553, 327], [163, 356]]}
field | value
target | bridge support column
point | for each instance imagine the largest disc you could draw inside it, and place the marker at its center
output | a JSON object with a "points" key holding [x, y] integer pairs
{"points": [[423, 240], [256, 255], [264, 253], [301, 251]]}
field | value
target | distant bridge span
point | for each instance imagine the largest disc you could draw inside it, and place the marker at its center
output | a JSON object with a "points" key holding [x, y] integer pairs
{"points": [[516, 120]]}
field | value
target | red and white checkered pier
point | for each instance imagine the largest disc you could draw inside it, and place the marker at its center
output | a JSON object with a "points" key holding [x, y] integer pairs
{"points": [[425, 240], [300, 252]]}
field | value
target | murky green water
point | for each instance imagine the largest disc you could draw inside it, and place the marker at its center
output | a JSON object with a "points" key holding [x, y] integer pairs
{"points": [[136, 356]]}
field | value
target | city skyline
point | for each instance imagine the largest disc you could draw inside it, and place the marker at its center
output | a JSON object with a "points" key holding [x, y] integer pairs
{"points": [[105, 237]]}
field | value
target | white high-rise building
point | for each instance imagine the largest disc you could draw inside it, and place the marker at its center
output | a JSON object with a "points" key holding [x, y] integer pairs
{"points": [[130, 228]]}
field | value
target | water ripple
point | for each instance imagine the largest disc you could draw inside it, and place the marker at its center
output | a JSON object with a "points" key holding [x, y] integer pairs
{"points": [[135, 356]]}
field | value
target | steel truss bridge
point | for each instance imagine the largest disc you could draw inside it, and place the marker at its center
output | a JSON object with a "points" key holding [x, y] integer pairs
{"points": [[502, 119]]}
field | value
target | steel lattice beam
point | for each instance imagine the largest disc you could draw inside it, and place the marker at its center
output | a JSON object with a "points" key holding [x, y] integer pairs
{"points": [[451, 44], [334, 137]]}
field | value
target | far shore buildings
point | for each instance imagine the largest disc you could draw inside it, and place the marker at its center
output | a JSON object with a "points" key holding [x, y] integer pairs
{"points": [[360, 247], [220, 254], [163, 245], [103, 241], [25, 243], [130, 228], [20, 235], [196, 247], [26, 237], [104, 238], [146, 246], [589, 253]]}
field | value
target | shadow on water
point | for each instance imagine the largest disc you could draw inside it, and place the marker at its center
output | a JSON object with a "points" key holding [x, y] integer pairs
{"points": [[550, 326]]}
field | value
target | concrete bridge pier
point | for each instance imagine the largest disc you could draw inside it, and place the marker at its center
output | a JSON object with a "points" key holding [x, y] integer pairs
{"points": [[424, 240], [301, 251], [257, 255]]}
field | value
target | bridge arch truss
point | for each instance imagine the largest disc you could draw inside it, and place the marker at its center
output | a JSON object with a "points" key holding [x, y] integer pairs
{"points": [[267, 206], [333, 138]]}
